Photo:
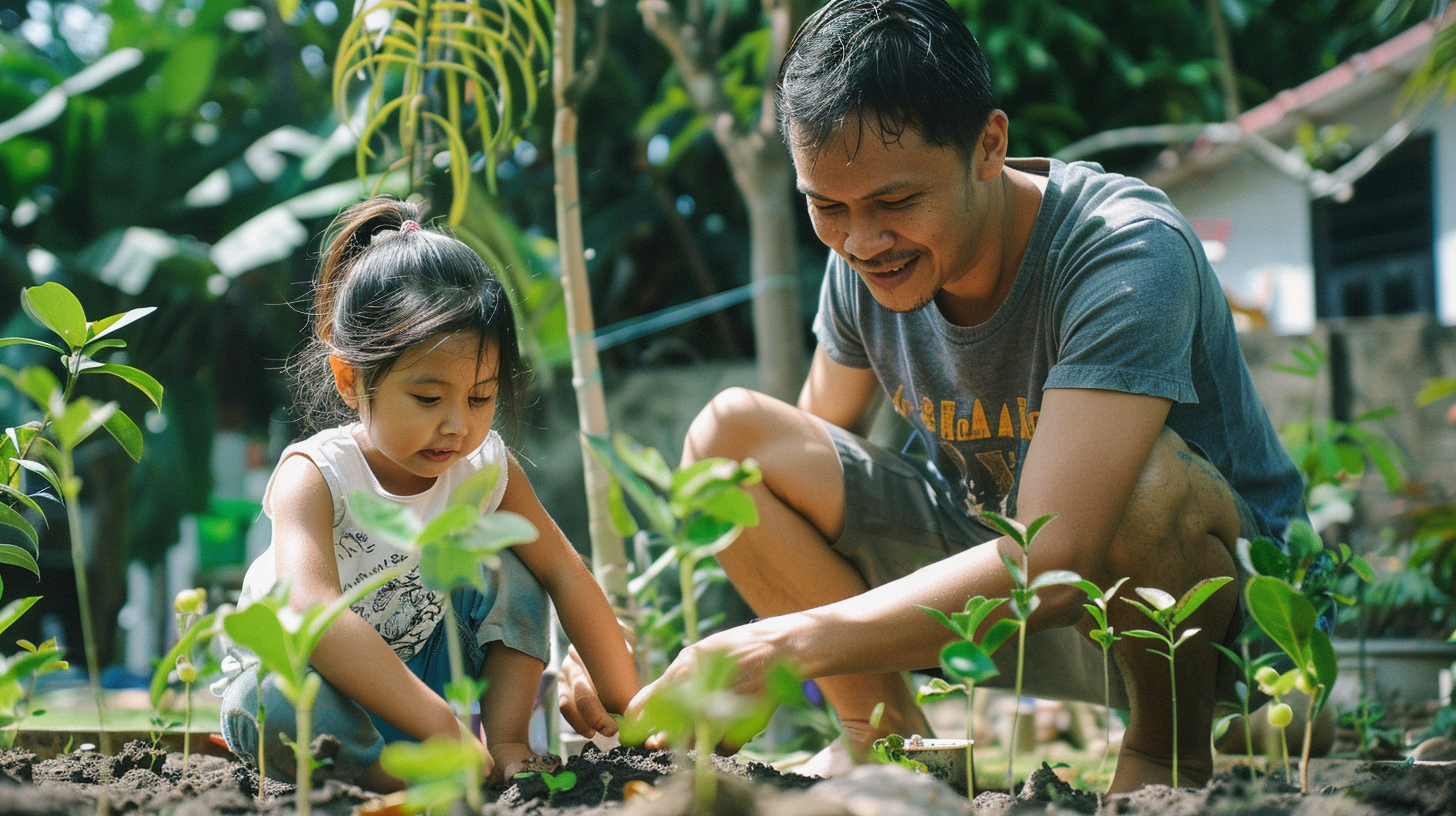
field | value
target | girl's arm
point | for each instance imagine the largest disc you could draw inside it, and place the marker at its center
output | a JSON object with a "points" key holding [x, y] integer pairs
{"points": [[585, 613], [351, 655]]}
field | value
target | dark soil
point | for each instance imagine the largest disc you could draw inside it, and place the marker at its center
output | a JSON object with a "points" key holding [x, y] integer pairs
{"points": [[149, 781]]}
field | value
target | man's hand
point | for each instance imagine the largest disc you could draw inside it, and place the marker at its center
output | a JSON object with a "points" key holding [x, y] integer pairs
{"points": [[749, 648], [577, 698]]}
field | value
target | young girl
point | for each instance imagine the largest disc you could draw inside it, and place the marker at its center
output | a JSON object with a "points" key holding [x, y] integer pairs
{"points": [[413, 348]]}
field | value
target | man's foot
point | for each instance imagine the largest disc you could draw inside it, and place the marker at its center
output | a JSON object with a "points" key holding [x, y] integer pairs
{"points": [[1136, 769], [832, 760]]}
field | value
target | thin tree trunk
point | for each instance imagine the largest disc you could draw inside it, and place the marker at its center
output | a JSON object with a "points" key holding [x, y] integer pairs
{"points": [[609, 557]]}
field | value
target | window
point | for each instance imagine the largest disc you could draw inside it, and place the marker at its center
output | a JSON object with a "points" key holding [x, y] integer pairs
{"points": [[1373, 255]]}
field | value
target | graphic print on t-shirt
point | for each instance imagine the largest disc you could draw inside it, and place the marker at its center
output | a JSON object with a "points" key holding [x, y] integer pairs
{"points": [[986, 462]]}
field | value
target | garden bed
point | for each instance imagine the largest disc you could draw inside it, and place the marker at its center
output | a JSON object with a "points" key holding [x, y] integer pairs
{"points": [[142, 779]]}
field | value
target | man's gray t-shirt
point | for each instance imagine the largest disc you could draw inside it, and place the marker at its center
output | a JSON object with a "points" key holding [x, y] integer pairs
{"points": [[1113, 293]]}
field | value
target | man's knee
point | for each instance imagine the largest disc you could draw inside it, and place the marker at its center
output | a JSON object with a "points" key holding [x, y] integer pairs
{"points": [[1179, 501], [728, 426]]}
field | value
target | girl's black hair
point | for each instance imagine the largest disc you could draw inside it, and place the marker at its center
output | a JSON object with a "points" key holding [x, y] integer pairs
{"points": [[895, 64], [386, 284]]}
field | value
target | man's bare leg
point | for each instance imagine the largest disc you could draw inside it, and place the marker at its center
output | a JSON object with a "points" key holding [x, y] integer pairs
{"points": [[1180, 528], [785, 564]]}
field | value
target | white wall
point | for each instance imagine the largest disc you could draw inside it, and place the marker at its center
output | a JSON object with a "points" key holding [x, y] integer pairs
{"points": [[1444, 126], [1267, 263]]}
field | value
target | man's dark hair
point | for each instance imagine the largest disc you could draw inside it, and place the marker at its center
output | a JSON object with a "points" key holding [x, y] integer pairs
{"points": [[897, 64]]}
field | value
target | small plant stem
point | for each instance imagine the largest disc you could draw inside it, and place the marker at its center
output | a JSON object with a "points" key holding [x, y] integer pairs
{"points": [[970, 742], [1308, 738], [1248, 690], [262, 743], [186, 725], [1107, 722], [457, 671], [78, 561], [704, 783], [689, 601], [1173, 698], [303, 745], [1016, 709], [1284, 752]]}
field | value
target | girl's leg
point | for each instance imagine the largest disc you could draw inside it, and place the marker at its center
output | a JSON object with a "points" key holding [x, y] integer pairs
{"points": [[505, 707]]}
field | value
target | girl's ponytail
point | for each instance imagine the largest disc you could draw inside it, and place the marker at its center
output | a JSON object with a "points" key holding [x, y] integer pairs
{"points": [[344, 241]]}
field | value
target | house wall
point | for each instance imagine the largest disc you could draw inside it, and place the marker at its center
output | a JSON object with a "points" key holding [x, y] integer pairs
{"points": [[1268, 263]]}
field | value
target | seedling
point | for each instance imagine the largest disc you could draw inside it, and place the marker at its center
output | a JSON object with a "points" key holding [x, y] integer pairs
{"points": [[1248, 667], [703, 708], [890, 750], [1167, 612], [283, 640], [196, 626], [970, 662], [1104, 637], [1023, 601], [47, 446], [452, 547], [697, 510], [22, 669], [435, 769], [1288, 617], [1276, 685]]}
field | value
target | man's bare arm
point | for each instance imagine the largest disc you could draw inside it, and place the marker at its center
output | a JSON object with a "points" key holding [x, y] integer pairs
{"points": [[839, 394]]}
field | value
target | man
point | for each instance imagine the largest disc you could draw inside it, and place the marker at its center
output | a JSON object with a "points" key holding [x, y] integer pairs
{"points": [[1056, 338]]}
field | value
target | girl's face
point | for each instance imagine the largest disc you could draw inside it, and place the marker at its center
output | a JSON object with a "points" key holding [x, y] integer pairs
{"points": [[435, 406]]}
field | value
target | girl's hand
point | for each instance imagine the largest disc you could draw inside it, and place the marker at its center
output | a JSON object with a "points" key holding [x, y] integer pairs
{"points": [[579, 702]]}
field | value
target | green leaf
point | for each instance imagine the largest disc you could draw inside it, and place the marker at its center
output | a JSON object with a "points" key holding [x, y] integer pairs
{"points": [[144, 382], [256, 627], [1436, 388], [126, 432], [1054, 578], [18, 495], [13, 610], [622, 520], [1362, 568], [941, 616], [106, 325], [1007, 527], [201, 630], [1196, 596], [452, 520], [434, 759], [999, 633], [1267, 559], [478, 488], [38, 383], [43, 471], [659, 517], [10, 341], [937, 690], [735, 506], [1284, 614], [1035, 527], [96, 346], [53, 306], [966, 661], [9, 516], [391, 521], [644, 461], [80, 419], [1157, 598]]}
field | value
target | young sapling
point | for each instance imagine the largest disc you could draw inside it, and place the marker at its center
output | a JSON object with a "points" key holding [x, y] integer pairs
{"points": [[1024, 601], [452, 548], [1168, 612], [283, 640], [697, 510], [1248, 667], [21, 669], [1289, 619], [703, 708], [47, 447], [968, 661], [1104, 636], [196, 627]]}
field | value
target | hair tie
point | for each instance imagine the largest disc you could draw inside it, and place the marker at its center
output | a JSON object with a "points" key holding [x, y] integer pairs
{"points": [[409, 225]]}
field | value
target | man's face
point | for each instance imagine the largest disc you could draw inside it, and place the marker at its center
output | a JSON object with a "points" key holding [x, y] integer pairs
{"points": [[908, 217]]}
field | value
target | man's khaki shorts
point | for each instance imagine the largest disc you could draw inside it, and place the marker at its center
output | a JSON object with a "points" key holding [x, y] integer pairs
{"points": [[899, 517]]}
